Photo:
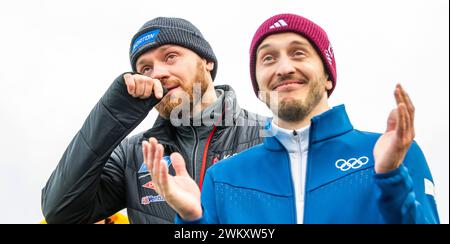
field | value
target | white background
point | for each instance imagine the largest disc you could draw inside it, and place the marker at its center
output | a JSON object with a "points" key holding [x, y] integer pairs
{"points": [[57, 58]]}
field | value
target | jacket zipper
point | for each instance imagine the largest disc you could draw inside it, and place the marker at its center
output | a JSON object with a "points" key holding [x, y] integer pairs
{"points": [[291, 181], [194, 153], [302, 191]]}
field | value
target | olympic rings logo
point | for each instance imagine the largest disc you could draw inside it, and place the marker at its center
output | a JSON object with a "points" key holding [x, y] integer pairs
{"points": [[353, 163]]}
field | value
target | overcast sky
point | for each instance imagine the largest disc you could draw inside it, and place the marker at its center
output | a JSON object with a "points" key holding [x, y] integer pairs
{"points": [[57, 58]]}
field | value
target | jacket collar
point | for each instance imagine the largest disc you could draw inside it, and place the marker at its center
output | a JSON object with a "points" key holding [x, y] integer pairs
{"points": [[326, 125], [294, 142]]}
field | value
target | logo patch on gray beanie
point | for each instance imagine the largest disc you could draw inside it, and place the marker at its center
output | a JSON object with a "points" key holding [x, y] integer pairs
{"points": [[143, 39]]}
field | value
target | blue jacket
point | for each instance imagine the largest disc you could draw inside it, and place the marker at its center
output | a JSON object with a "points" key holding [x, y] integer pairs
{"points": [[256, 186]]}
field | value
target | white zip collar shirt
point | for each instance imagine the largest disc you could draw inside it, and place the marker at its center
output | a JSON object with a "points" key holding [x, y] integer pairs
{"points": [[296, 143]]}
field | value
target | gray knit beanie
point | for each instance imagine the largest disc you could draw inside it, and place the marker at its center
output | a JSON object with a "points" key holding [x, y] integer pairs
{"points": [[162, 30]]}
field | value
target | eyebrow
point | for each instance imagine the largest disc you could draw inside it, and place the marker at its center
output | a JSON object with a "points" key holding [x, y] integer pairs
{"points": [[141, 62], [301, 43], [295, 42], [161, 49], [262, 47]]}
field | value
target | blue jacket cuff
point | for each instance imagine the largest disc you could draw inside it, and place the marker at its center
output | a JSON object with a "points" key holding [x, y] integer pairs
{"points": [[397, 179], [201, 220], [179, 220]]}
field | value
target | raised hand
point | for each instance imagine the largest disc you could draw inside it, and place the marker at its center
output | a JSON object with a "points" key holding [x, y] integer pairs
{"points": [[180, 191], [141, 86], [392, 146]]}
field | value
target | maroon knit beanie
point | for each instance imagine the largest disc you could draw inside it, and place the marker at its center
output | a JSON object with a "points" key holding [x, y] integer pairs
{"points": [[302, 26]]}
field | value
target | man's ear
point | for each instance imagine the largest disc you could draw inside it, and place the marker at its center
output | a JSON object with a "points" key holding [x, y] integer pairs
{"points": [[328, 85], [209, 65]]}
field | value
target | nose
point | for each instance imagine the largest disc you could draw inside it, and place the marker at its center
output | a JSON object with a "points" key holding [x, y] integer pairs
{"points": [[285, 67], [160, 72]]}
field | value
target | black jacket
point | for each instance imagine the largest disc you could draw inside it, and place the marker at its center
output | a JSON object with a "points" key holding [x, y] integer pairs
{"points": [[101, 173]]}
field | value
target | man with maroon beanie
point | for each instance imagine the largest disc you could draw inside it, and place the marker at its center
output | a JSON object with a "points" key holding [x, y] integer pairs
{"points": [[313, 166]]}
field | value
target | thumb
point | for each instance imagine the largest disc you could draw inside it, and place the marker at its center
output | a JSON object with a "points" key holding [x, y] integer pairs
{"points": [[178, 164], [392, 120]]}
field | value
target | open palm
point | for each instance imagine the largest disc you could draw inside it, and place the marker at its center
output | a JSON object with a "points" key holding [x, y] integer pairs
{"points": [[391, 148], [180, 191]]}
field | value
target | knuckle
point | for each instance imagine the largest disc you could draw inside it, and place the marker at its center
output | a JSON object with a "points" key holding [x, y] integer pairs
{"points": [[141, 81], [126, 77], [150, 82], [129, 80]]}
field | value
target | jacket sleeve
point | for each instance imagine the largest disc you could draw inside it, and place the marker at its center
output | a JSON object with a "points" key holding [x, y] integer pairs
{"points": [[406, 194], [208, 203], [88, 183]]}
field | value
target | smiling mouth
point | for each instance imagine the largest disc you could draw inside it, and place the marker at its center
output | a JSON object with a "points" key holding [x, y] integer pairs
{"points": [[288, 84]]}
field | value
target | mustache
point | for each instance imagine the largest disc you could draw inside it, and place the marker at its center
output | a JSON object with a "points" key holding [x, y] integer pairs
{"points": [[288, 77], [171, 82]]}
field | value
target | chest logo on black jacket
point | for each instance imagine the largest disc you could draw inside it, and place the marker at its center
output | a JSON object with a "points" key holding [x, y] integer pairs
{"points": [[143, 172]]}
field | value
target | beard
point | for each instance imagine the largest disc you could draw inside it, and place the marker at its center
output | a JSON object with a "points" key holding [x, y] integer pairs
{"points": [[294, 110], [185, 97]]}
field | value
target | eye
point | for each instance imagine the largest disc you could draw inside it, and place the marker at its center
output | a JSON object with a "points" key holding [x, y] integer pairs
{"points": [[146, 69], [298, 53], [267, 59], [171, 57]]}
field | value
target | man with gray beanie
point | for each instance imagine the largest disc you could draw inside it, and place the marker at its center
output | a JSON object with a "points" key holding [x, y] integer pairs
{"points": [[101, 172]]}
